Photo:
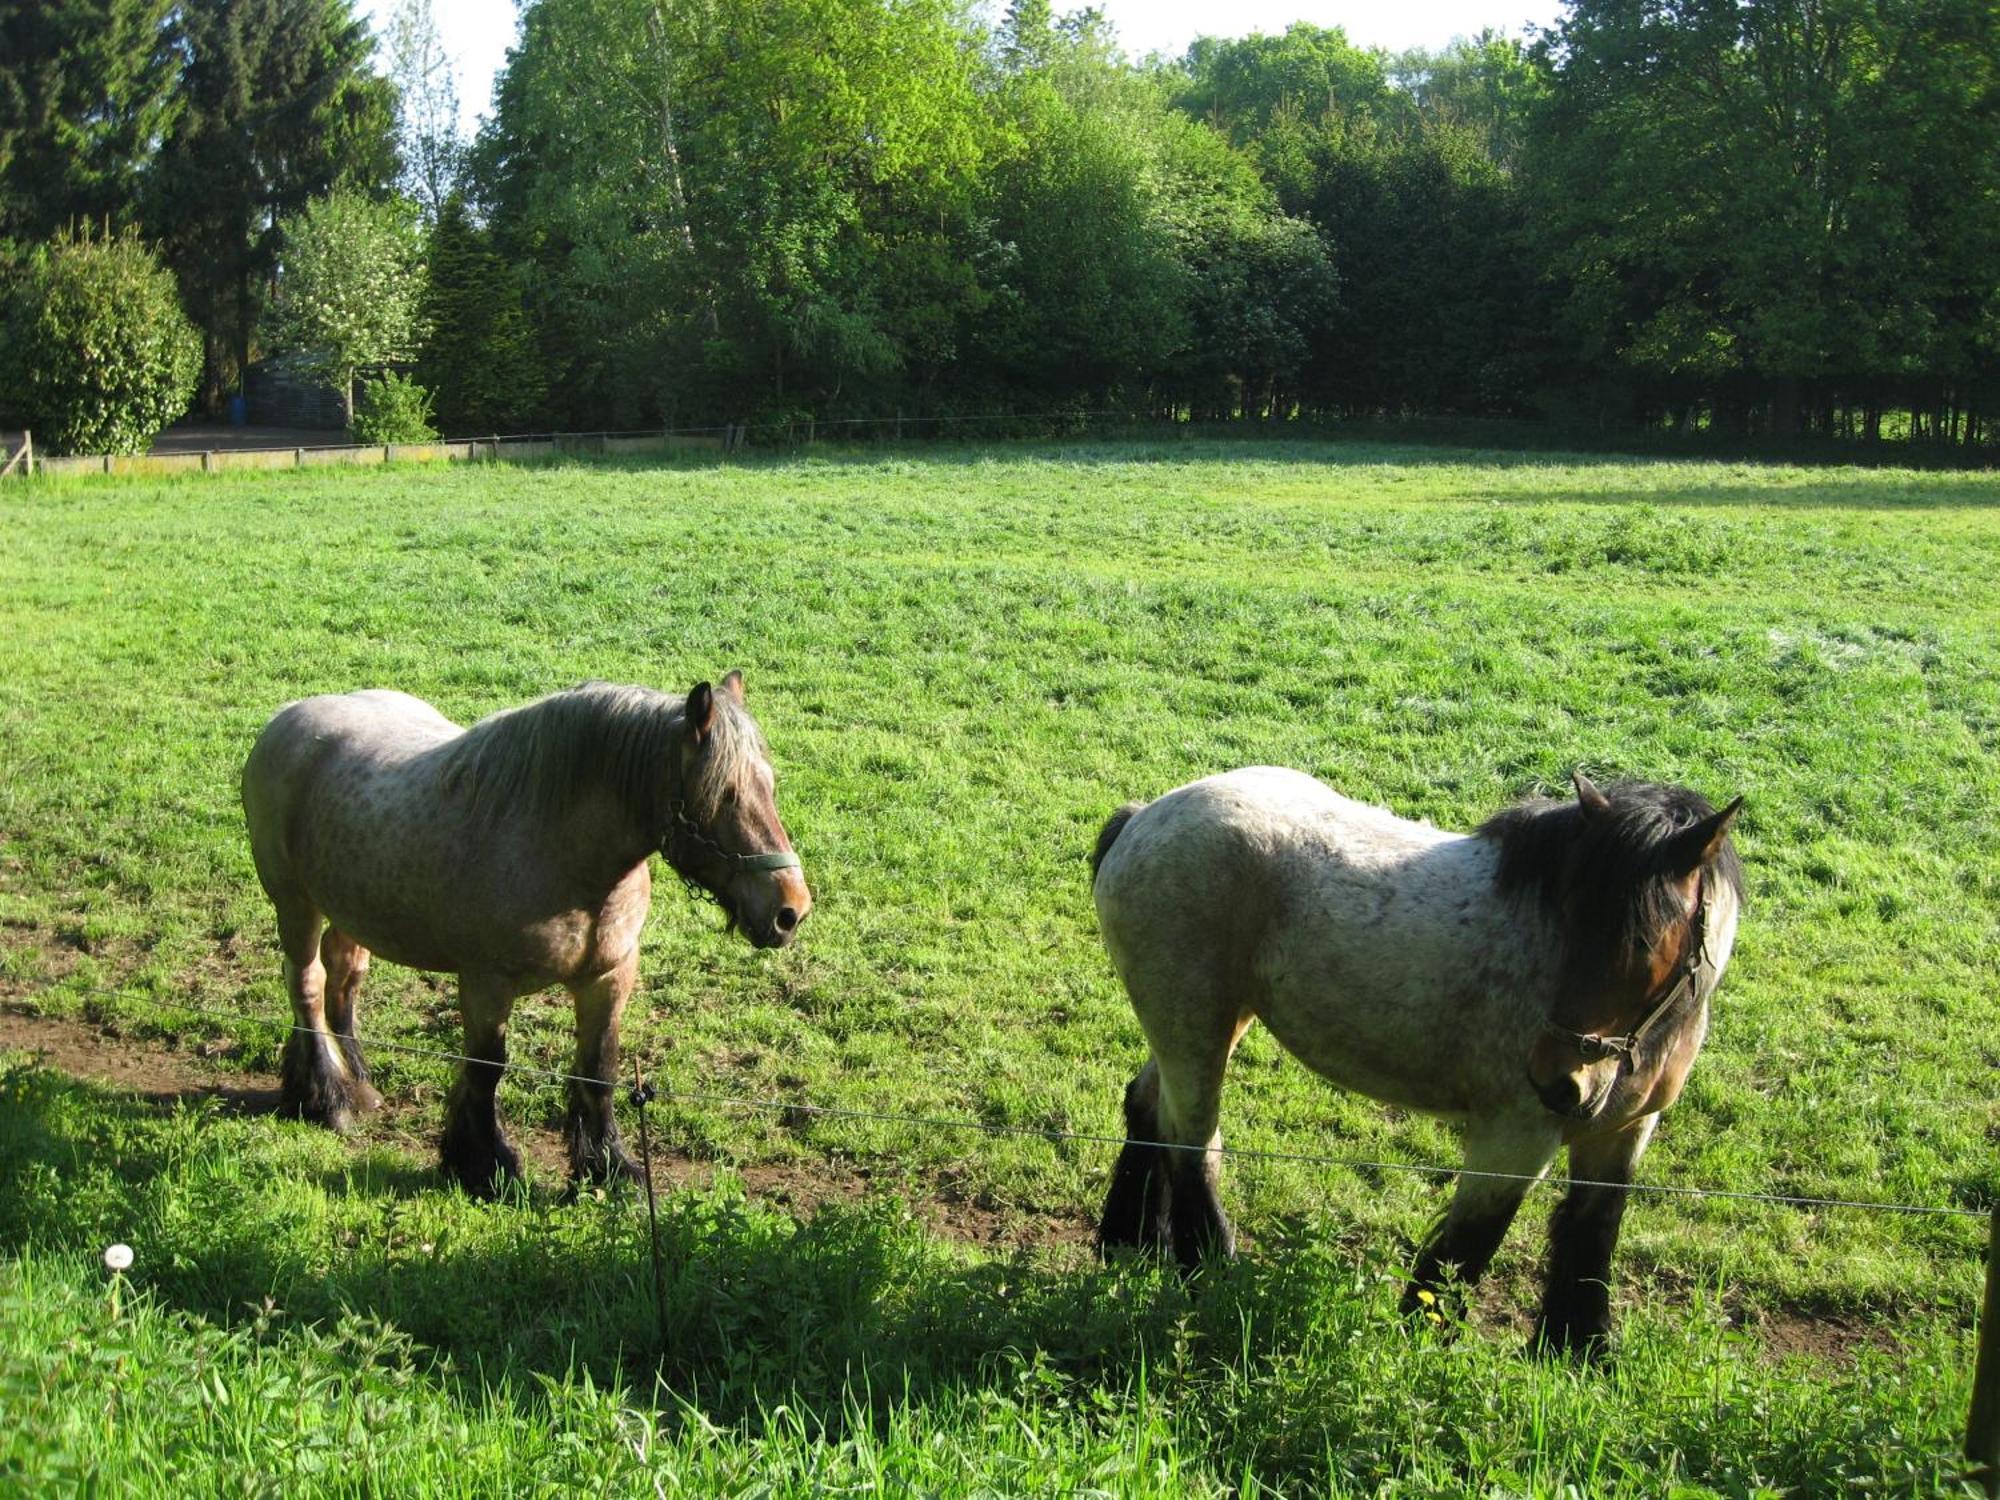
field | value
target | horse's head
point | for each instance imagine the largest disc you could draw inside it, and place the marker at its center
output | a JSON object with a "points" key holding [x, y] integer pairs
{"points": [[723, 834], [1633, 878]]}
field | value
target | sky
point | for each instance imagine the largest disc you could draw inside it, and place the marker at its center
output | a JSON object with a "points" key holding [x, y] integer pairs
{"points": [[477, 32]]}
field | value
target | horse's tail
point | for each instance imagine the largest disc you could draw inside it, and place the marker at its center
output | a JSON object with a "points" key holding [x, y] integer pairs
{"points": [[1108, 836]]}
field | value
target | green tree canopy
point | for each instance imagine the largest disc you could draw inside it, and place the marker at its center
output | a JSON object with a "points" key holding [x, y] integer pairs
{"points": [[1772, 207], [479, 359]]}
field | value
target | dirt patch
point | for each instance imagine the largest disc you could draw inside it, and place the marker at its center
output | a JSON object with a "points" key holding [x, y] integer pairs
{"points": [[164, 1077], [1820, 1336]]}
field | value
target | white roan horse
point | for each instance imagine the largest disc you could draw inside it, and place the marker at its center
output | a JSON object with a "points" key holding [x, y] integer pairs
{"points": [[1544, 982], [513, 854]]}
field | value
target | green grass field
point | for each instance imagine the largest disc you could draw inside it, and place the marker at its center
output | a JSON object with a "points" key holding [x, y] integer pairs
{"points": [[964, 659]]}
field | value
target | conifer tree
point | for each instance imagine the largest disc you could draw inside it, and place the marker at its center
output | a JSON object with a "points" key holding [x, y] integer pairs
{"points": [[479, 359], [86, 90], [279, 106]]}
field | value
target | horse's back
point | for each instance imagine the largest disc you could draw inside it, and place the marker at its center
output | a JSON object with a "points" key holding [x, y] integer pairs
{"points": [[1362, 939], [1233, 825], [310, 746]]}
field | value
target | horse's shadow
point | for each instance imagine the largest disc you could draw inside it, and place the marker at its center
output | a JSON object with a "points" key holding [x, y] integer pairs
{"points": [[756, 1309], [851, 1315]]}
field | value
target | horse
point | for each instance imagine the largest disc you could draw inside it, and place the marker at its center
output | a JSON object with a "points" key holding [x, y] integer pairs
{"points": [[514, 854], [1543, 981]]}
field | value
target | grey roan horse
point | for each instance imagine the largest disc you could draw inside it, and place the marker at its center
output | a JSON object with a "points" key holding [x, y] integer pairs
{"points": [[1544, 982], [513, 854]]}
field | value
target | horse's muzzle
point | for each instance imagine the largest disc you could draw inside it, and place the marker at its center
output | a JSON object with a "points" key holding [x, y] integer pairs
{"points": [[772, 915], [1566, 1096]]}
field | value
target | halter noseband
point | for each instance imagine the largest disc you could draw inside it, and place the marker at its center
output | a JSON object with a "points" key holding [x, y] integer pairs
{"points": [[1595, 1048], [680, 823]]}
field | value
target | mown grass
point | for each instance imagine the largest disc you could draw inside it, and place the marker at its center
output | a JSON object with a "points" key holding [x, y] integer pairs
{"points": [[964, 660]]}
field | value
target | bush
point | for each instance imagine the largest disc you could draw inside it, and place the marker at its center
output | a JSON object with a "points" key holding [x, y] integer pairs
{"points": [[394, 409], [96, 355]]}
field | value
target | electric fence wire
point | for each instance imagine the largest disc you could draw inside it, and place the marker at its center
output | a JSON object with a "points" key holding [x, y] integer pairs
{"points": [[947, 1122]]}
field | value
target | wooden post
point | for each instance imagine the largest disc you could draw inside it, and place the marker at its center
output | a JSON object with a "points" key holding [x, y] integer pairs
{"points": [[1982, 1422]]}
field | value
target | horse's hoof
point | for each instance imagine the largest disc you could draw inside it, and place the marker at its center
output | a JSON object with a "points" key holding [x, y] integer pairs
{"points": [[615, 1170], [1584, 1345], [318, 1108], [486, 1172]]}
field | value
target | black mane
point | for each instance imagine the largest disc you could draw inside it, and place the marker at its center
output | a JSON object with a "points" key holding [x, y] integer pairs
{"points": [[1603, 878]]}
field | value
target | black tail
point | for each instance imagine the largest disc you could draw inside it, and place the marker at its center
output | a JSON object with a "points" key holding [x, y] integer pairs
{"points": [[1108, 836]]}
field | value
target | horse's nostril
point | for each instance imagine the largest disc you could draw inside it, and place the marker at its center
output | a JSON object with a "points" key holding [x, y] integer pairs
{"points": [[1561, 1095], [786, 919]]}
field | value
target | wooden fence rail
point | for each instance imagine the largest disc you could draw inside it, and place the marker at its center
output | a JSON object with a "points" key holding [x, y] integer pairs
{"points": [[220, 460]]}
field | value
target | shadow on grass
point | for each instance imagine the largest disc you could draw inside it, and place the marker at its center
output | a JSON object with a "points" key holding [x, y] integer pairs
{"points": [[227, 1208], [1275, 1364]]}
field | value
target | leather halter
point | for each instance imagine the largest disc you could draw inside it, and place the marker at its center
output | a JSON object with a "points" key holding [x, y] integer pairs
{"points": [[1595, 1048], [680, 823]]}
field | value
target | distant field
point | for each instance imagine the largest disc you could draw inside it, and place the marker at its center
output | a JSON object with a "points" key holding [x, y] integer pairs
{"points": [[963, 660]]}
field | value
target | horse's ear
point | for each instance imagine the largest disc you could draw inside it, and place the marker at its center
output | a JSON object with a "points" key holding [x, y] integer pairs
{"points": [[1694, 847], [1588, 797], [700, 712], [733, 685]]}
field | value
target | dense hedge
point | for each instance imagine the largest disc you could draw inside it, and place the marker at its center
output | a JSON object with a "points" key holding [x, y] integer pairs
{"points": [[96, 355]]}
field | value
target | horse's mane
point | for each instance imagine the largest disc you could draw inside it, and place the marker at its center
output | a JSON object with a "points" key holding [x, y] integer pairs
{"points": [[1603, 877], [539, 758]]}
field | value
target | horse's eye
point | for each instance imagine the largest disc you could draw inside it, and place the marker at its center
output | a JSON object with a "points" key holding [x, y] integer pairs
{"points": [[728, 796]]}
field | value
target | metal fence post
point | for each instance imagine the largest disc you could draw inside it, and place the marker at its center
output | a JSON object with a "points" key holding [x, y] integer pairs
{"points": [[643, 1095], [1982, 1422]]}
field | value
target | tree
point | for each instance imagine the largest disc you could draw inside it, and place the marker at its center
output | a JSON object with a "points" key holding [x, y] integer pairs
{"points": [[1406, 187], [86, 91], [1488, 86], [1258, 286], [427, 132], [96, 355], [1774, 212], [738, 209], [1310, 72], [349, 288], [479, 358], [279, 105]]}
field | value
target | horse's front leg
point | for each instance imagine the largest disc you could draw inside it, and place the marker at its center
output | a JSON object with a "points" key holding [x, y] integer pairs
{"points": [[476, 1153], [590, 1130], [1459, 1250], [1576, 1302]]}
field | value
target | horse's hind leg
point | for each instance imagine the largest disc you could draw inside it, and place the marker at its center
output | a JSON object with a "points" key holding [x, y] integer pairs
{"points": [[1463, 1245], [1191, 1064], [315, 1082], [346, 964], [590, 1129], [1136, 1210], [475, 1151], [1576, 1302]]}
